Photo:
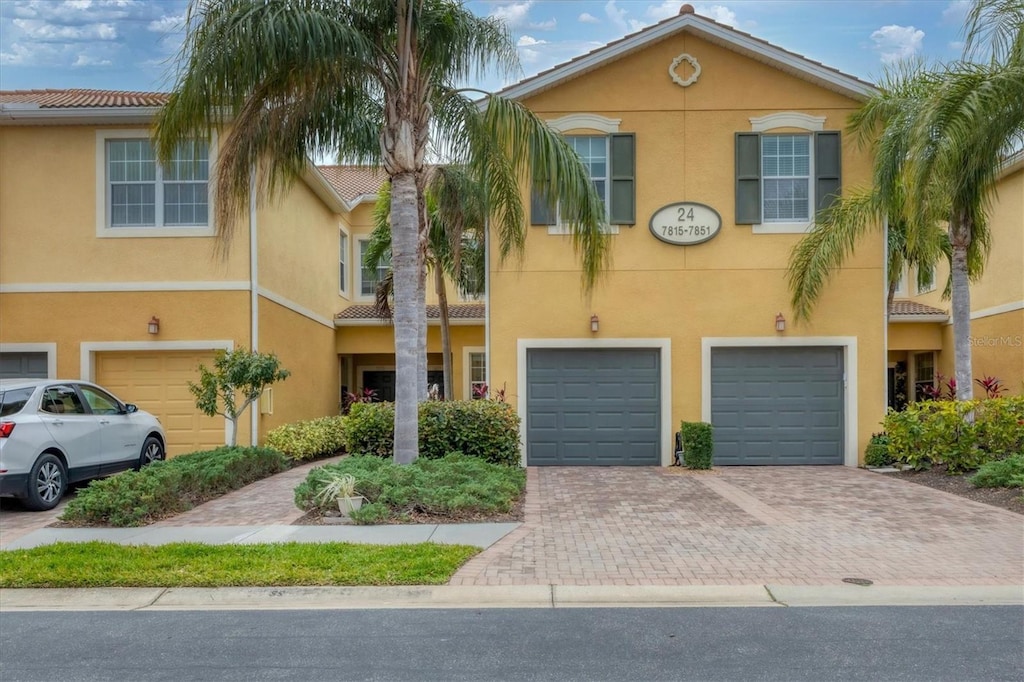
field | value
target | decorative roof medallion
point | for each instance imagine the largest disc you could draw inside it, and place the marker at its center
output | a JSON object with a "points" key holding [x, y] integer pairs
{"points": [[684, 82]]}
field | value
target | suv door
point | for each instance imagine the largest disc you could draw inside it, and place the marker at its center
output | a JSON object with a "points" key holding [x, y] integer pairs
{"points": [[76, 431], [119, 432]]}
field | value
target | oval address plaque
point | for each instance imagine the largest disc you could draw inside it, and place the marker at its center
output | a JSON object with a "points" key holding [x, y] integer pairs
{"points": [[685, 222]]}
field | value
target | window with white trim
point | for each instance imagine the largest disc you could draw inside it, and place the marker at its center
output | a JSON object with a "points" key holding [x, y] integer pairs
{"points": [[369, 278], [927, 284], [786, 173], [593, 151], [142, 193], [477, 375], [342, 262]]}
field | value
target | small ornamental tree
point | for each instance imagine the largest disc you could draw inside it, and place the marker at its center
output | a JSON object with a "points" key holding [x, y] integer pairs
{"points": [[239, 375]]}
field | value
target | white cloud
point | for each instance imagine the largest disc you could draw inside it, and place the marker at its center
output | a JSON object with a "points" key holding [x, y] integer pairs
{"points": [[956, 11], [527, 41], [43, 31], [586, 18], [166, 23], [617, 16], [513, 14], [897, 42], [719, 13], [86, 60], [16, 56], [668, 8], [548, 25]]}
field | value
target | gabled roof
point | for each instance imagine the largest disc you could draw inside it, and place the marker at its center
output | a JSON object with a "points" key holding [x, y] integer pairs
{"points": [[76, 98], [354, 184], [912, 311], [708, 29], [458, 313]]}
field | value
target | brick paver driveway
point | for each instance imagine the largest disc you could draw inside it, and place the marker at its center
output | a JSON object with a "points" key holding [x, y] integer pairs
{"points": [[745, 525]]}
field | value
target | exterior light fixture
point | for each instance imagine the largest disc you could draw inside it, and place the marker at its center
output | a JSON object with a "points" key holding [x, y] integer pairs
{"points": [[154, 325], [780, 323], [594, 323]]}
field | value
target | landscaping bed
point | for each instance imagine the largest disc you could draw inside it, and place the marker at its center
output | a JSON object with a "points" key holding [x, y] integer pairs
{"points": [[102, 564], [959, 484]]}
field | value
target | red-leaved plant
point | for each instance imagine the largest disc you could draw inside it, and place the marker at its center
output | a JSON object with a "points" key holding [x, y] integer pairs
{"points": [[993, 386]]}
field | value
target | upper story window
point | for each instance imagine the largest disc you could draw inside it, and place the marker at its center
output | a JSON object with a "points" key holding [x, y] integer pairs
{"points": [[783, 179], [593, 151], [786, 169], [137, 196], [369, 278], [926, 282], [343, 262]]}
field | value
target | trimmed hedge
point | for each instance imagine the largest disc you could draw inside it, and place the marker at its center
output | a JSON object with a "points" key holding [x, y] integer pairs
{"points": [[161, 489], [1003, 473], [963, 435], [451, 485], [698, 444], [477, 428], [876, 454], [309, 439]]}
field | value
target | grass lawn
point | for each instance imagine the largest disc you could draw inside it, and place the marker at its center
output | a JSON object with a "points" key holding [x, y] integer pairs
{"points": [[102, 564]]}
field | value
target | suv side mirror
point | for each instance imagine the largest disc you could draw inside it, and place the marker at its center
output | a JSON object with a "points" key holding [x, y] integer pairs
{"points": [[130, 408]]}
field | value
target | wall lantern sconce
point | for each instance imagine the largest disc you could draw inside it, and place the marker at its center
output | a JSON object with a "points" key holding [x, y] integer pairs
{"points": [[154, 325], [780, 323], [594, 323]]}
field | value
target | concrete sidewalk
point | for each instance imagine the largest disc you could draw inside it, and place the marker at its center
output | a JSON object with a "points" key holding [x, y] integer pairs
{"points": [[481, 535], [505, 596]]}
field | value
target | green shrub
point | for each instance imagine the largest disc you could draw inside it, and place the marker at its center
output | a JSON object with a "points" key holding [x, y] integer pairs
{"points": [[1002, 473], [876, 454], [698, 445], [309, 439], [161, 489], [940, 432], [454, 484], [477, 428]]}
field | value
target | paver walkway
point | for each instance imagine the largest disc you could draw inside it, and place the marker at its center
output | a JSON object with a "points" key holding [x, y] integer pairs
{"points": [[745, 525]]}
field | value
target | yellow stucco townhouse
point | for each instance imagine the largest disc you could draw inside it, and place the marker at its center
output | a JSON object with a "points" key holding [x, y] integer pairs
{"points": [[713, 149]]}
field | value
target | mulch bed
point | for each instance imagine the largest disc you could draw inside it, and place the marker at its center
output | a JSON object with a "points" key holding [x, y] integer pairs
{"points": [[957, 484], [316, 518]]}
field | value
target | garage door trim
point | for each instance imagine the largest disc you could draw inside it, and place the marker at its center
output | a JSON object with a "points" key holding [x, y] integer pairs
{"points": [[664, 345], [847, 343], [90, 348], [49, 348]]}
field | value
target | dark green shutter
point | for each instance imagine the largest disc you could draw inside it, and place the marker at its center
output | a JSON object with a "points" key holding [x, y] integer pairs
{"points": [[748, 178], [828, 163], [622, 193], [542, 212]]}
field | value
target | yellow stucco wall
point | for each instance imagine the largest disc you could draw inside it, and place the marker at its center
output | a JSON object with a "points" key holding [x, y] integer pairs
{"points": [[1003, 281], [915, 336], [997, 349], [731, 286], [48, 210], [306, 349], [299, 250]]}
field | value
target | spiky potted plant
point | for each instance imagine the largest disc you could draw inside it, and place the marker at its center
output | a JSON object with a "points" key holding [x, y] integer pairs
{"points": [[340, 487]]}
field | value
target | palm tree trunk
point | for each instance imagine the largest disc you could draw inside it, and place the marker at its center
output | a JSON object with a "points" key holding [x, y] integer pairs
{"points": [[446, 333], [421, 292], [890, 297], [405, 264], [959, 236]]}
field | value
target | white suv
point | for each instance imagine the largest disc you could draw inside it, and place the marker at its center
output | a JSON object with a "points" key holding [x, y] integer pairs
{"points": [[53, 433]]}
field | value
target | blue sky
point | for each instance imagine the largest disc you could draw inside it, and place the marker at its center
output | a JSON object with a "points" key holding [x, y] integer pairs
{"points": [[131, 44]]}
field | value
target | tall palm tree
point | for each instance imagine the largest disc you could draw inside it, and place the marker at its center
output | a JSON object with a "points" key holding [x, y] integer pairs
{"points": [[377, 81], [456, 214], [972, 120]]}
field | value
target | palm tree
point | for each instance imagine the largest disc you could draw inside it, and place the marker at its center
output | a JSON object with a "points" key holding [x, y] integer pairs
{"points": [[456, 214], [377, 81], [972, 120]]}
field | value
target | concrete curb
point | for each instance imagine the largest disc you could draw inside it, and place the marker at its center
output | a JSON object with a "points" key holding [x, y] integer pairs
{"points": [[514, 596]]}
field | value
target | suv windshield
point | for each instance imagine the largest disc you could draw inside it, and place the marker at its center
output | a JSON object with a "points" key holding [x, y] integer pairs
{"points": [[12, 401]]}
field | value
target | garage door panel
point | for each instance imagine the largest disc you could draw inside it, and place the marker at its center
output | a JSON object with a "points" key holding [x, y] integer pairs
{"points": [[777, 405], [606, 404], [157, 381]]}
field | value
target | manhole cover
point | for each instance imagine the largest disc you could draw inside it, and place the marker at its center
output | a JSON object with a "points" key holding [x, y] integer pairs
{"points": [[863, 582]]}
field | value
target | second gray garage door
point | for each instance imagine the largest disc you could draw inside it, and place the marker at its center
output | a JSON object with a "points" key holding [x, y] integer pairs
{"points": [[23, 366], [593, 407], [777, 405]]}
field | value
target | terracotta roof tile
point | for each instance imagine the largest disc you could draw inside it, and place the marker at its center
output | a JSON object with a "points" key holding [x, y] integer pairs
{"points": [[458, 311], [352, 182], [913, 308], [82, 98]]}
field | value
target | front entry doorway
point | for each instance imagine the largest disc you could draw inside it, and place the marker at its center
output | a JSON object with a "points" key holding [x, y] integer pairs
{"points": [[382, 382]]}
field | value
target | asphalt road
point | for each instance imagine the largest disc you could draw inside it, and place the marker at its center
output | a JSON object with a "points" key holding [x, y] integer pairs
{"points": [[861, 643]]}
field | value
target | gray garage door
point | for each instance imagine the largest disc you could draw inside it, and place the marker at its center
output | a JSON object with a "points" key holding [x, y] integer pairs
{"points": [[777, 405], [593, 407], [23, 366]]}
